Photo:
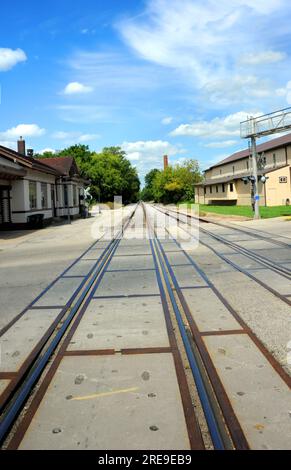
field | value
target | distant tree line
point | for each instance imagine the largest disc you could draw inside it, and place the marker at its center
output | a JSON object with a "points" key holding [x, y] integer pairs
{"points": [[172, 185], [109, 171]]}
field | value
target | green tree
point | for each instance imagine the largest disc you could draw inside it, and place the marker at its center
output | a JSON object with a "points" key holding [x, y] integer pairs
{"points": [[109, 171], [147, 192], [175, 183]]}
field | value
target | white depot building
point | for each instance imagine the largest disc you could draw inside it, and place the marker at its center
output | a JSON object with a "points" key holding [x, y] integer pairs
{"points": [[34, 191]]}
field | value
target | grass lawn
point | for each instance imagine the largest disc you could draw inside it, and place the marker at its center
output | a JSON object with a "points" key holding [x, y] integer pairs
{"points": [[266, 212]]}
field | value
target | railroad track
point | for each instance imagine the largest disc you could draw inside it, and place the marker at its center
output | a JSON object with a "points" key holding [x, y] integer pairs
{"points": [[133, 364], [22, 381], [263, 261], [254, 233]]}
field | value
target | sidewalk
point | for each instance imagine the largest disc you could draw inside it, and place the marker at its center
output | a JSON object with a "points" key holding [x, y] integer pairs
{"points": [[30, 260]]}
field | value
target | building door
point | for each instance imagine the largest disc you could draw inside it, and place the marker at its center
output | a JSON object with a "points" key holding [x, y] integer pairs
{"points": [[5, 206]]}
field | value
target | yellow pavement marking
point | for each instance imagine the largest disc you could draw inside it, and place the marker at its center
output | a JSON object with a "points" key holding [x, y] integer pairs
{"points": [[106, 394]]}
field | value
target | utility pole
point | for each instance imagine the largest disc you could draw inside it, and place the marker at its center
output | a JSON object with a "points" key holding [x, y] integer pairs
{"points": [[255, 178], [261, 126], [255, 169]]}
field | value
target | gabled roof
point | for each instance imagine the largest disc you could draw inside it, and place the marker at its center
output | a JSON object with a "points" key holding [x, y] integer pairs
{"points": [[28, 162], [270, 145], [227, 179], [64, 165]]}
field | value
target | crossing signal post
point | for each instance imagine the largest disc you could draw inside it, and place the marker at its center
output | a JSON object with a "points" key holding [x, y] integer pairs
{"points": [[255, 179], [255, 127]]}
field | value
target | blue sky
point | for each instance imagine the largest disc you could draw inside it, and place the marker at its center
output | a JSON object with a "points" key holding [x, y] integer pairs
{"points": [[154, 76]]}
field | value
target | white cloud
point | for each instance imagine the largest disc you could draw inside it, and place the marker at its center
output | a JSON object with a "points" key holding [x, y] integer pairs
{"points": [[240, 89], [217, 127], [41, 152], [88, 137], [60, 135], [74, 136], [167, 120], [149, 153], [222, 144], [10, 57], [75, 88], [260, 58], [201, 39], [24, 130]]}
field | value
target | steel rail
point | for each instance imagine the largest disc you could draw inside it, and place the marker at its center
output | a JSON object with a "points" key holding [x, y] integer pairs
{"points": [[285, 272], [282, 297], [274, 363], [252, 232], [18, 401], [210, 417]]}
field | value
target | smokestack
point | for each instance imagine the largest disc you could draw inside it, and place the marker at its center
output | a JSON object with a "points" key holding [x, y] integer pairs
{"points": [[21, 146], [166, 163]]}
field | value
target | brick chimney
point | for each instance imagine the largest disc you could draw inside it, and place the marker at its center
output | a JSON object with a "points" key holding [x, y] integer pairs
{"points": [[166, 163], [21, 146]]}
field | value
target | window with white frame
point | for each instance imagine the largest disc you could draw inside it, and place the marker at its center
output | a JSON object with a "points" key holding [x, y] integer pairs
{"points": [[32, 195], [43, 192]]}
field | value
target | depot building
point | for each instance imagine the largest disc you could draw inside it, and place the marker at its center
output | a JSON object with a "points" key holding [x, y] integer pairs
{"points": [[35, 191], [227, 182]]}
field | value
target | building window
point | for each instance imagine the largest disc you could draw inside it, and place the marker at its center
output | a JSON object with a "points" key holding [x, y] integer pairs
{"points": [[210, 189], [217, 188], [223, 188], [43, 191], [231, 187], [233, 170], [32, 195], [74, 195], [66, 203], [204, 190], [247, 162], [220, 171], [274, 160]]}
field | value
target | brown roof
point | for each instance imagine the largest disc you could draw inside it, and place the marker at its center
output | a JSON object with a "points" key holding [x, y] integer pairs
{"points": [[270, 145], [64, 165], [26, 161], [226, 179]]}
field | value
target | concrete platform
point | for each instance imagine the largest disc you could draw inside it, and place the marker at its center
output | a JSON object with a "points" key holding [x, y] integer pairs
{"points": [[261, 400], [131, 262], [276, 254], [81, 268], [274, 280], [209, 313], [132, 241], [128, 283], [125, 250], [170, 246], [59, 293], [264, 313], [258, 245], [177, 258], [121, 324], [111, 402], [30, 260], [244, 261], [187, 276], [93, 254], [22, 337]]}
